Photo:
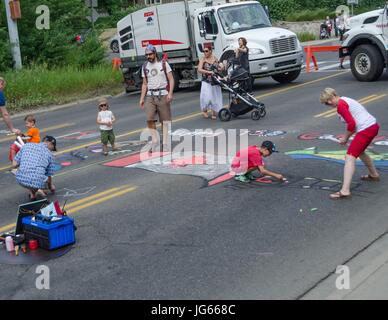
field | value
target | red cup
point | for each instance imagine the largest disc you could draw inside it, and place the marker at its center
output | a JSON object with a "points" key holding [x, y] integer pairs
{"points": [[33, 244]]}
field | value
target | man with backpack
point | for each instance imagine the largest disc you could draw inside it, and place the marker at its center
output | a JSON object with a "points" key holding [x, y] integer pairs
{"points": [[156, 95]]}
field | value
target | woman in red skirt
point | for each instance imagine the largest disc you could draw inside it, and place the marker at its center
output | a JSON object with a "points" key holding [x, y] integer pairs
{"points": [[364, 125]]}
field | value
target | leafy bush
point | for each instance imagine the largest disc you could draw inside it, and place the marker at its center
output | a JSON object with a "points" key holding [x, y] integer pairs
{"points": [[116, 15], [5, 51], [306, 36], [310, 15], [278, 9]]}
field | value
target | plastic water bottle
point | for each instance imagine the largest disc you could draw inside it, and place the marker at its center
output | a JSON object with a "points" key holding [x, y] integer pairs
{"points": [[9, 244]]}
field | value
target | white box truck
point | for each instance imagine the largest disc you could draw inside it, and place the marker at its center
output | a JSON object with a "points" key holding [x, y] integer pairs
{"points": [[182, 29], [367, 44]]}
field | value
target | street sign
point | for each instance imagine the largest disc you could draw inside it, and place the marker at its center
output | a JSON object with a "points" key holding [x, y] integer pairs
{"points": [[353, 2], [93, 16]]}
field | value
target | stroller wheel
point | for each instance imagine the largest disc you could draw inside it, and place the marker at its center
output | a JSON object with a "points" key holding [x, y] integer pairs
{"points": [[263, 112], [255, 115], [224, 114]]}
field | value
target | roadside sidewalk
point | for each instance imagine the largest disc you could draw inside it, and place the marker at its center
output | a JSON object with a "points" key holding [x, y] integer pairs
{"points": [[368, 275]]}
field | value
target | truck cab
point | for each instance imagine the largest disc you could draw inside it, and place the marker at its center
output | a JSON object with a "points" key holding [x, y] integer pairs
{"points": [[273, 51], [367, 44]]}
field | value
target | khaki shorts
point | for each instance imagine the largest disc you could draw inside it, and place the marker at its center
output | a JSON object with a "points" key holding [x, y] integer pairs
{"points": [[154, 106]]}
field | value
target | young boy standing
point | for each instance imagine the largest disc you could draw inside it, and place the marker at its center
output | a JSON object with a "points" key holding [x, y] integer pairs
{"points": [[105, 119], [248, 160]]}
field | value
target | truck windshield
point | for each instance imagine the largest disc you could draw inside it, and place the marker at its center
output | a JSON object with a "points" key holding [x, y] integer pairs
{"points": [[243, 17]]}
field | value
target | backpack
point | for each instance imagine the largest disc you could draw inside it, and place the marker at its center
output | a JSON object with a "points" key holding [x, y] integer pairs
{"points": [[164, 69]]}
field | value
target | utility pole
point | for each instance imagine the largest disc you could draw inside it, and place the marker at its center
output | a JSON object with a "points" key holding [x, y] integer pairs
{"points": [[13, 37]]}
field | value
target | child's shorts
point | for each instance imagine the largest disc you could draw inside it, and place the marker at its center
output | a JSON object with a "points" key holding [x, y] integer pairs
{"points": [[107, 136], [13, 150]]}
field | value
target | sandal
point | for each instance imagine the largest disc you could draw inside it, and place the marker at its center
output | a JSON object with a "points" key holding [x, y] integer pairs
{"points": [[214, 117], [369, 178], [338, 195], [205, 115]]}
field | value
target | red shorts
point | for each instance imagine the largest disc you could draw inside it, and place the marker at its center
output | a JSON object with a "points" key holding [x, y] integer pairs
{"points": [[13, 150], [362, 140]]}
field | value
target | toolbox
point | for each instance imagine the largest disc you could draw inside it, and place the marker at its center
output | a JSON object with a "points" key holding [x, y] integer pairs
{"points": [[50, 235]]}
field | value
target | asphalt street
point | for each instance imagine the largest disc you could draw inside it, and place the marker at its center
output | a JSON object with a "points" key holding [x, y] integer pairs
{"points": [[148, 235]]}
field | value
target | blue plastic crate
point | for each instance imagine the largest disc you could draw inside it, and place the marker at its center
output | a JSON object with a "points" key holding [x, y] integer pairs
{"points": [[50, 235]]}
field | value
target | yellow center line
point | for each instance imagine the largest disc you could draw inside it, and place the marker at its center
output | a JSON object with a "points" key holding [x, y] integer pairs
{"points": [[83, 203], [374, 99], [7, 227], [92, 203], [299, 85], [60, 126], [95, 196], [333, 111], [364, 102]]}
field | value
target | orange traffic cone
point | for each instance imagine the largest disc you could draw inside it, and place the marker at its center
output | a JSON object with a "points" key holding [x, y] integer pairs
{"points": [[116, 63]]}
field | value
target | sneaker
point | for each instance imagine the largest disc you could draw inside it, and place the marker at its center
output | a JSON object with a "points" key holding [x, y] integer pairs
{"points": [[14, 171], [242, 178], [250, 176]]}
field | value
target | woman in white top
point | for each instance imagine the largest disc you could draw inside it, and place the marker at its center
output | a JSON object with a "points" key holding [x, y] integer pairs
{"points": [[360, 122]]}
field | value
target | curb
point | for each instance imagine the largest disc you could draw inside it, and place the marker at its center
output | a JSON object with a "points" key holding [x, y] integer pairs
{"points": [[367, 275]]}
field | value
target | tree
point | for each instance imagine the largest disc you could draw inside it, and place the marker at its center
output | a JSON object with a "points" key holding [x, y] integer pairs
{"points": [[53, 47]]}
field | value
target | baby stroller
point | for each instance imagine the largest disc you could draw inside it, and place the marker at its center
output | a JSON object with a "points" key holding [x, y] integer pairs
{"points": [[240, 101], [324, 32]]}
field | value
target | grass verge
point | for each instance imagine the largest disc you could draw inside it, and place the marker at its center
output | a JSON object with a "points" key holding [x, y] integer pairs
{"points": [[38, 86], [307, 36]]}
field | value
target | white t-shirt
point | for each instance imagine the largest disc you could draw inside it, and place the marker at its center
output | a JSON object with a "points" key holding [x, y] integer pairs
{"points": [[361, 116], [156, 78], [105, 116]]}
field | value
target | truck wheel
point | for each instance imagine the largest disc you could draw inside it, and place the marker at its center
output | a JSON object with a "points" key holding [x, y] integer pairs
{"points": [[286, 77], [366, 63]]}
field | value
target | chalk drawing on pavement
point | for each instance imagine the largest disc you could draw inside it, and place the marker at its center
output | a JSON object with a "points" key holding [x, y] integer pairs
{"points": [[96, 148], [305, 183], [69, 193], [200, 164], [113, 153], [68, 159], [380, 159], [266, 133], [378, 141], [80, 135]]}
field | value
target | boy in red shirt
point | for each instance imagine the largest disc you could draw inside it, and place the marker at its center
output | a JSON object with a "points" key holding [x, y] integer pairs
{"points": [[248, 160]]}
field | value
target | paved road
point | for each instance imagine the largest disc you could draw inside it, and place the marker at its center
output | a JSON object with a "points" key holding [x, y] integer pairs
{"points": [[147, 235]]}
